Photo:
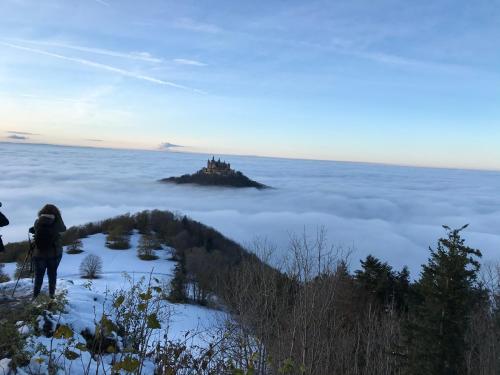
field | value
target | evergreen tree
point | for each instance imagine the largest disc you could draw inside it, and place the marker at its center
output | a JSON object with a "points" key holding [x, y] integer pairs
{"points": [[402, 289], [385, 285], [178, 283], [178, 286], [377, 278], [342, 270], [448, 290]]}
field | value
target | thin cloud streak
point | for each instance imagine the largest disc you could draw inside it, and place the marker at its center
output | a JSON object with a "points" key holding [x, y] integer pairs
{"points": [[20, 133], [189, 62], [141, 56], [395, 60], [348, 48], [192, 25], [105, 67], [102, 2]]}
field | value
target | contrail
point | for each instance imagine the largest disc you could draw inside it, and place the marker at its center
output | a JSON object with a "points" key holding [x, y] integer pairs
{"points": [[133, 56], [97, 65]]}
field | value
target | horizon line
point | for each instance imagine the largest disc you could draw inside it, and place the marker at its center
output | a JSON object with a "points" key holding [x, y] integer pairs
{"points": [[402, 165]]}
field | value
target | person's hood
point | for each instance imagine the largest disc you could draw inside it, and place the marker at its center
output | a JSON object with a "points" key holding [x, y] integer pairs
{"points": [[46, 219]]}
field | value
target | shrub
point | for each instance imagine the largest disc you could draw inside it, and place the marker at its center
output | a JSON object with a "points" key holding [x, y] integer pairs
{"points": [[26, 272], [126, 223], [75, 247], [147, 245], [14, 251], [3, 276], [91, 267], [118, 239], [12, 344]]}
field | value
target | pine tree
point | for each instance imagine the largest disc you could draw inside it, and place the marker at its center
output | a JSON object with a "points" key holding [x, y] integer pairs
{"points": [[178, 286], [402, 289], [178, 283], [447, 288], [377, 278]]}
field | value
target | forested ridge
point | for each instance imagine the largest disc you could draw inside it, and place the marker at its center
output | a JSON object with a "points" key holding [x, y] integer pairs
{"points": [[313, 315]]}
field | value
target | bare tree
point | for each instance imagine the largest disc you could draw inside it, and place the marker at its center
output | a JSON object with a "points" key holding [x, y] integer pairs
{"points": [[309, 317], [91, 267]]}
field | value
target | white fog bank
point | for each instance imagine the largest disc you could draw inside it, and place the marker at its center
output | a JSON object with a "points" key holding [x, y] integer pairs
{"points": [[393, 212]]}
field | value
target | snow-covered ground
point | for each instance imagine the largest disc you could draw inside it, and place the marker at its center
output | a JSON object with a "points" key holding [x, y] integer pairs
{"points": [[87, 300]]}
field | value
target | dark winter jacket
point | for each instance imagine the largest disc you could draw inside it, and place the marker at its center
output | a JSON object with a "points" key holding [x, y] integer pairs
{"points": [[59, 227], [3, 220]]}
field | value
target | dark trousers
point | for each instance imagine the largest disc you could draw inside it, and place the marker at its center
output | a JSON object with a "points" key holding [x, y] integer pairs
{"points": [[45, 264]]}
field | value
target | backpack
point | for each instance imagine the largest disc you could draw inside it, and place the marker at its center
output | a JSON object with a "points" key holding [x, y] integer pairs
{"points": [[45, 237]]}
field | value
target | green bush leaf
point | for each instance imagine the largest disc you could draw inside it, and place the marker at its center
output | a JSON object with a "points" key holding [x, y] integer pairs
{"points": [[153, 322], [157, 289], [107, 325], [118, 301], [128, 364], [146, 296], [63, 332], [71, 355], [81, 346]]}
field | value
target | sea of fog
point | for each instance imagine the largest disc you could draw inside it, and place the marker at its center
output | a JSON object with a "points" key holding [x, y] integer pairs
{"points": [[393, 212]]}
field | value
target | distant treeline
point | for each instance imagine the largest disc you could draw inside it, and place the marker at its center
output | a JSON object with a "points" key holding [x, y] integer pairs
{"points": [[314, 316]]}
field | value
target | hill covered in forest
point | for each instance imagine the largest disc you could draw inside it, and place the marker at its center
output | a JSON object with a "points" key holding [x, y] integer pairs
{"points": [[221, 309], [216, 173]]}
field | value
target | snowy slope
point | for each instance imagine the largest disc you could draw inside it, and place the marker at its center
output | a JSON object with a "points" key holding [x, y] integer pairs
{"points": [[86, 300]]}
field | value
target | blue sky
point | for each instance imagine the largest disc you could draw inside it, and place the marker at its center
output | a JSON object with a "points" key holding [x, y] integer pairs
{"points": [[387, 81]]}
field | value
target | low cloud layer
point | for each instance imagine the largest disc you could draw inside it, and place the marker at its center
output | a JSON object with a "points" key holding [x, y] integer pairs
{"points": [[17, 137], [20, 133], [167, 146], [395, 213]]}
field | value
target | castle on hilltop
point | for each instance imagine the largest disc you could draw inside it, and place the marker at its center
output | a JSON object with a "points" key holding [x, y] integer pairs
{"points": [[216, 173], [217, 167]]}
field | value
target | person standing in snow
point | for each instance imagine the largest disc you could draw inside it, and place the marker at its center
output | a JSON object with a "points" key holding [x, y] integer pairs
{"points": [[48, 247], [3, 222]]}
